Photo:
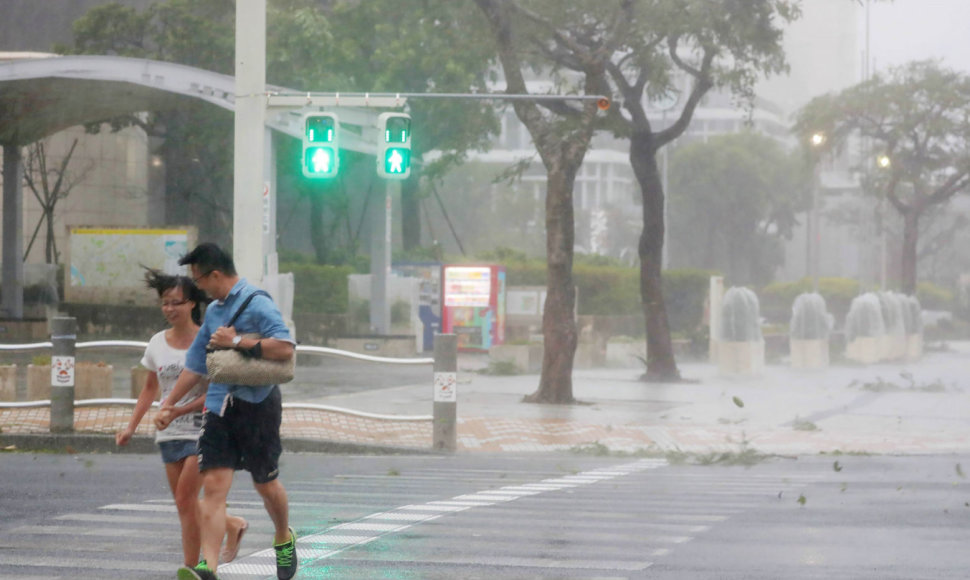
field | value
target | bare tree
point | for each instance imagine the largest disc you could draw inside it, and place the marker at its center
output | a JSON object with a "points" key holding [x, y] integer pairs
{"points": [[49, 186]]}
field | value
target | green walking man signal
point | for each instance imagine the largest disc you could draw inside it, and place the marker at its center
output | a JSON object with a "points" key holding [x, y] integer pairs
{"points": [[394, 148], [320, 145], [321, 149]]}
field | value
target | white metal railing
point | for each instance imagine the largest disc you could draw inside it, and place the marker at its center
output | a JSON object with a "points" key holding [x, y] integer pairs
{"points": [[131, 403], [300, 349]]}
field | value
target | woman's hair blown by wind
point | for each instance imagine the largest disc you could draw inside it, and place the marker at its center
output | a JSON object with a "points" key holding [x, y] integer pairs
{"points": [[162, 283]]}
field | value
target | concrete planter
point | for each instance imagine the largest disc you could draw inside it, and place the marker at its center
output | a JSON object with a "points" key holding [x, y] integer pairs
{"points": [[744, 359], [91, 381], [139, 375], [624, 354], [865, 349], [914, 346], [8, 382], [894, 347], [809, 354], [526, 357]]}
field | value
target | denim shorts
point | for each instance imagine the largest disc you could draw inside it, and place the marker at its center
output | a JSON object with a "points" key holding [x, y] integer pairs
{"points": [[177, 449]]}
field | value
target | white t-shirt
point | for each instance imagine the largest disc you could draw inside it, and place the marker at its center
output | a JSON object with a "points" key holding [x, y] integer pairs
{"points": [[167, 363]]}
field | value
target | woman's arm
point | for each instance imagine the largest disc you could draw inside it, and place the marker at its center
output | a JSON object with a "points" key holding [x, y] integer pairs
{"points": [[145, 399]]}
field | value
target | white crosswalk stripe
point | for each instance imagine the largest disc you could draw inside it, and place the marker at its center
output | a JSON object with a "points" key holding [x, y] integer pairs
{"points": [[609, 522]]}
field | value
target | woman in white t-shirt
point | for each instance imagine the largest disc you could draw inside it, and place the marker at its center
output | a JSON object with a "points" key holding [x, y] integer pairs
{"points": [[181, 302]]}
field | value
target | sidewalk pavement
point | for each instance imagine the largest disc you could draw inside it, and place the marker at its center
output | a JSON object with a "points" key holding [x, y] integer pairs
{"points": [[887, 408]]}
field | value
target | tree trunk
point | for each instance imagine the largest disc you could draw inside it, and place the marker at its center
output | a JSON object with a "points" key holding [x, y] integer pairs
{"points": [[558, 316], [908, 255], [661, 365], [410, 213], [50, 248], [317, 236]]}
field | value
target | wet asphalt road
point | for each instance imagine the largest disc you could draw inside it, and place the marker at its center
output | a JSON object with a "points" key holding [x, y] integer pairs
{"points": [[510, 516]]}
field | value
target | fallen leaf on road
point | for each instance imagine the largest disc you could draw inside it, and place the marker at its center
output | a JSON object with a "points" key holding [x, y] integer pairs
{"points": [[802, 499], [960, 471], [836, 466], [738, 401]]}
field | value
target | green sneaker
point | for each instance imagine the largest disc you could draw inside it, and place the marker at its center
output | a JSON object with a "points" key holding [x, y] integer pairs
{"points": [[200, 572], [286, 560]]}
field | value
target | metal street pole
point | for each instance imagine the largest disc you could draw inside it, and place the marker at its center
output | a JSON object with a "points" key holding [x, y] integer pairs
{"points": [[250, 119], [815, 227]]}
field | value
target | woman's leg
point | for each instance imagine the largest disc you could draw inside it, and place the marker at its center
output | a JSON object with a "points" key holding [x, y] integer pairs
{"points": [[185, 481], [235, 527]]}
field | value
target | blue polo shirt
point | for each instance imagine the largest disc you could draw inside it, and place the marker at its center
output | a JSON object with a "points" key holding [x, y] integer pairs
{"points": [[260, 316]]}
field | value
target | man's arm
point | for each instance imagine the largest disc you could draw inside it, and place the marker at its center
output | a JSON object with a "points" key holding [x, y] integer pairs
{"points": [[186, 382], [272, 348], [276, 344]]}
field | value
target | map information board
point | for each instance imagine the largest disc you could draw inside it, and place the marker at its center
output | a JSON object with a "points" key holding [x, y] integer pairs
{"points": [[106, 263]]}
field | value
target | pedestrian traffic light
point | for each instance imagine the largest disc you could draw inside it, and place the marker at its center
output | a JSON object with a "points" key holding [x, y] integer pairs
{"points": [[394, 149], [320, 145]]}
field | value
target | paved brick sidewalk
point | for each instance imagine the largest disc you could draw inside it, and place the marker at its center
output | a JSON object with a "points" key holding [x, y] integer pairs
{"points": [[482, 434], [901, 407]]}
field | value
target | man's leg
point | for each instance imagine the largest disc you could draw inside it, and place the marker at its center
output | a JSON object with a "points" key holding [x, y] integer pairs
{"points": [[277, 506], [216, 482]]}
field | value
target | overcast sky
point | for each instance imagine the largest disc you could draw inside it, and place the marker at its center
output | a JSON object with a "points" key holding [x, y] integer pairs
{"points": [[904, 30]]}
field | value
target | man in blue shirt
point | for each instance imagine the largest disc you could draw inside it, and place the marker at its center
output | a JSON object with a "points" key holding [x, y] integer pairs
{"points": [[241, 425]]}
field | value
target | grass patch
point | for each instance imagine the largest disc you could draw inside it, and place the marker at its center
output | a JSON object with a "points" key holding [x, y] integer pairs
{"points": [[744, 455], [500, 368], [908, 384], [594, 449], [803, 425]]}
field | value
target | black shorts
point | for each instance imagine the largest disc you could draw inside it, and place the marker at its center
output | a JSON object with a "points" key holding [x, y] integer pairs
{"points": [[246, 437]]}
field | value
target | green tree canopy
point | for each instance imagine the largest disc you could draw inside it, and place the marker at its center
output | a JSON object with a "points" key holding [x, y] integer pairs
{"points": [[637, 51], [733, 201], [917, 118]]}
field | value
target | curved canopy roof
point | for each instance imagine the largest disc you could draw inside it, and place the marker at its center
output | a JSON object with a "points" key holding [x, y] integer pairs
{"points": [[41, 96]]}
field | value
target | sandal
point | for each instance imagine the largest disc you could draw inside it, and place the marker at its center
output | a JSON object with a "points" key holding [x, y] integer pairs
{"points": [[227, 554]]}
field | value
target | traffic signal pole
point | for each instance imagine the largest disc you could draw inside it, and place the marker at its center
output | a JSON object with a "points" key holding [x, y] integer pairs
{"points": [[380, 258], [252, 193]]}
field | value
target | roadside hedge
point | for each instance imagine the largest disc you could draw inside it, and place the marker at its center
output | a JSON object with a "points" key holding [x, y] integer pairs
{"points": [[603, 289], [615, 290], [319, 289], [777, 298]]}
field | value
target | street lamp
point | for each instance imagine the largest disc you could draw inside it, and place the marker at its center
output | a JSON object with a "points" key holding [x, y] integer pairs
{"points": [[812, 245], [884, 162]]}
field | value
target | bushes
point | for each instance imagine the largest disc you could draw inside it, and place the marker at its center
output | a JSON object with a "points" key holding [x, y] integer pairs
{"points": [[933, 297], [603, 289], [685, 292], [319, 289], [615, 290], [740, 316], [607, 290], [777, 298], [810, 319]]}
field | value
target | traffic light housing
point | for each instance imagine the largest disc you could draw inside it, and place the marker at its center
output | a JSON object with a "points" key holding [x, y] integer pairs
{"points": [[321, 157], [394, 146]]}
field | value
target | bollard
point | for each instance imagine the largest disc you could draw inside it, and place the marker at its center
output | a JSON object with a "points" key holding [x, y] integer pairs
{"points": [[444, 431], [63, 337]]}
